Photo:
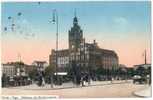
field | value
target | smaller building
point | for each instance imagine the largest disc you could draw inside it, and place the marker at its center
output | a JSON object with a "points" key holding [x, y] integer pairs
{"points": [[14, 69], [40, 65], [9, 70]]}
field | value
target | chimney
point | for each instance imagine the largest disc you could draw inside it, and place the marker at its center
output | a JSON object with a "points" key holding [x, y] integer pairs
{"points": [[94, 41]]}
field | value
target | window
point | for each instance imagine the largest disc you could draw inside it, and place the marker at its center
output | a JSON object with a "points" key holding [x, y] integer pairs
{"points": [[87, 56]]}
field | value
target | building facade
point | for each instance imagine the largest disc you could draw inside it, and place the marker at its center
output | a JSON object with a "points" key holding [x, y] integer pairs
{"points": [[84, 56], [8, 70], [12, 69]]}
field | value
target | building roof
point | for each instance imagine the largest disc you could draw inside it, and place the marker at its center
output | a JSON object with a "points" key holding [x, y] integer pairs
{"points": [[14, 63], [63, 52], [39, 61], [104, 52], [107, 52]]}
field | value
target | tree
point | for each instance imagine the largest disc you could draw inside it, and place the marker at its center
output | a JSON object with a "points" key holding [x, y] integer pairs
{"points": [[4, 80], [50, 69], [76, 72], [130, 72], [33, 74], [49, 72], [99, 71], [140, 71], [114, 71]]}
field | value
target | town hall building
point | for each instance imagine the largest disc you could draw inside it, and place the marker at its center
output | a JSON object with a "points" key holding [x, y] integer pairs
{"points": [[82, 56]]}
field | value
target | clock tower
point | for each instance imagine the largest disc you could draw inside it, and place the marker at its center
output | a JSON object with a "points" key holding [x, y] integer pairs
{"points": [[75, 35]]}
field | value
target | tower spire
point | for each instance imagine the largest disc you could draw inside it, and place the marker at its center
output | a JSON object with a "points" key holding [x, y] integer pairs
{"points": [[75, 12], [75, 20]]}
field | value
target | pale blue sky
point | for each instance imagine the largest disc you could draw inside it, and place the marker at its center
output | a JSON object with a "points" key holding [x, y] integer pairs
{"points": [[114, 18], [120, 26]]}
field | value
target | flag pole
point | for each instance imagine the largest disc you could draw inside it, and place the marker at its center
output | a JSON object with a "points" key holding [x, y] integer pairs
{"points": [[145, 57]]}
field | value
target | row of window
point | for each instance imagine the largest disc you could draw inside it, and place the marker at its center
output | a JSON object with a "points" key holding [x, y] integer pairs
{"points": [[9, 71], [106, 61], [77, 57], [63, 60]]}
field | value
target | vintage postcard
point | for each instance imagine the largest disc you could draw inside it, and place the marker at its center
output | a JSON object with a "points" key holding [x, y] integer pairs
{"points": [[75, 49]]}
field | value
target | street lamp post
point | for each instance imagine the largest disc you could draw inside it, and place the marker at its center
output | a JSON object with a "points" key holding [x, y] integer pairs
{"points": [[55, 20]]}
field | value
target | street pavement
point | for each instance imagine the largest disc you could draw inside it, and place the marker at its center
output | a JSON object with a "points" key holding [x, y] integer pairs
{"points": [[68, 85], [97, 89], [144, 92]]}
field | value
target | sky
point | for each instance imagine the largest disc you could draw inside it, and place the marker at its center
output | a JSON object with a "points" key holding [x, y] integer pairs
{"points": [[124, 27]]}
